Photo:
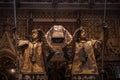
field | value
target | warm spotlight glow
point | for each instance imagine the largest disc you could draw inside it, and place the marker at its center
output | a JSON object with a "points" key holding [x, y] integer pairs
{"points": [[12, 70]]}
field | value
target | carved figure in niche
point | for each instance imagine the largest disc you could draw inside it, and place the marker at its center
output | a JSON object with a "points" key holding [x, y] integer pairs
{"points": [[34, 53], [84, 61]]}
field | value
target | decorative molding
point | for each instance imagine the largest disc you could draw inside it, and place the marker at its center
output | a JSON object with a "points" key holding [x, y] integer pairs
{"points": [[60, 6]]}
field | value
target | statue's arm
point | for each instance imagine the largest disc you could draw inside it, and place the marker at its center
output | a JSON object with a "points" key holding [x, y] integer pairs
{"points": [[20, 42], [97, 49], [23, 42]]}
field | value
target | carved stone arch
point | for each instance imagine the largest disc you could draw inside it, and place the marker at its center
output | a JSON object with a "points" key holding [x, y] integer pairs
{"points": [[7, 62], [7, 53]]}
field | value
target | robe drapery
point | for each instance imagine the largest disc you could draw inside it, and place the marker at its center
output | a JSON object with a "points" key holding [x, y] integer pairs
{"points": [[33, 57], [84, 61]]}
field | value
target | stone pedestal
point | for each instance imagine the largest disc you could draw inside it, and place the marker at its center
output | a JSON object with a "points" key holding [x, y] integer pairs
{"points": [[84, 77], [34, 76]]}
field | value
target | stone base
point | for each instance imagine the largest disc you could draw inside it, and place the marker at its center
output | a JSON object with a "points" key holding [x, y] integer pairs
{"points": [[34, 76], [84, 77]]}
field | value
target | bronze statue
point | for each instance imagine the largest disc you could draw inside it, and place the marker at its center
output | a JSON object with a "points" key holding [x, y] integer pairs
{"points": [[84, 61], [34, 55]]}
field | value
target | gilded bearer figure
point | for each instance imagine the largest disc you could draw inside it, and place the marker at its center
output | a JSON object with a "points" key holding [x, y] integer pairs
{"points": [[34, 56], [84, 61]]}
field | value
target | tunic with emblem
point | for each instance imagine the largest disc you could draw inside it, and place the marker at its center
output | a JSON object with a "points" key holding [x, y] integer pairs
{"points": [[33, 57], [84, 60]]}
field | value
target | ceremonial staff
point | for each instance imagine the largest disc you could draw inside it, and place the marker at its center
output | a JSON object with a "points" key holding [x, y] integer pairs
{"points": [[15, 37], [104, 40]]}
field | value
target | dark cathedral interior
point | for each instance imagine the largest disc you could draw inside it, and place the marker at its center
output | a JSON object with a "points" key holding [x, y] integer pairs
{"points": [[59, 39]]}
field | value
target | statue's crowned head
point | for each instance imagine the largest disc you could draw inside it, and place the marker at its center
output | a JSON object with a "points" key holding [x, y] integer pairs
{"points": [[36, 34], [82, 33]]}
